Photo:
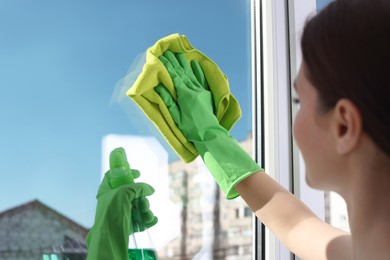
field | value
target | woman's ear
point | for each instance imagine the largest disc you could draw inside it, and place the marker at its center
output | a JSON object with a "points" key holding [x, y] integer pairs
{"points": [[347, 127]]}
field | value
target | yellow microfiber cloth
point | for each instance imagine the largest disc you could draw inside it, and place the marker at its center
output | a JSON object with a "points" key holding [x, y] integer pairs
{"points": [[153, 73]]}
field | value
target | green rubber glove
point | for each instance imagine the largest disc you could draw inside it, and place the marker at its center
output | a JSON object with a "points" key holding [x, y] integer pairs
{"points": [[120, 203], [194, 115]]}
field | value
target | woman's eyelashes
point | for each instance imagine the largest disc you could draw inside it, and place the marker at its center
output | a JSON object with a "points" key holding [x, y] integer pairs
{"points": [[295, 100]]}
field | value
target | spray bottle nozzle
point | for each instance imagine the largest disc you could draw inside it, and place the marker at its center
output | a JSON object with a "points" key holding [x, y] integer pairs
{"points": [[120, 171]]}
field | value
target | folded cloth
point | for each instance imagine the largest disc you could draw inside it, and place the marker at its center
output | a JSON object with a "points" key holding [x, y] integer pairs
{"points": [[227, 109]]}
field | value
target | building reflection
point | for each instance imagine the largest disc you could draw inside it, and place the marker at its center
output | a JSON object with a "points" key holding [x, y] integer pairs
{"points": [[211, 226]]}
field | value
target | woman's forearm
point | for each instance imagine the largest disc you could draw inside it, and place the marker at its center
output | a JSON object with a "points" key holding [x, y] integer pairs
{"points": [[290, 220]]}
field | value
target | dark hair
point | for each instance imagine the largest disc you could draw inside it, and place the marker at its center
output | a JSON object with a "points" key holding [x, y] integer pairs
{"points": [[346, 53]]}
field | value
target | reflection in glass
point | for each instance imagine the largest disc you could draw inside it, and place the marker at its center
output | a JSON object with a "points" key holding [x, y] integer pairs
{"points": [[58, 69], [195, 219], [209, 224]]}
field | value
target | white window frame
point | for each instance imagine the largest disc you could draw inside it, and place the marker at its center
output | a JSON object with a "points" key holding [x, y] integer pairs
{"points": [[276, 57]]}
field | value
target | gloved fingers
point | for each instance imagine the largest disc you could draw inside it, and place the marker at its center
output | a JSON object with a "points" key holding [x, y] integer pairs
{"points": [[143, 204], [141, 189], [184, 63], [147, 216], [165, 95], [135, 173], [198, 72], [142, 207], [189, 74], [141, 214], [180, 80], [170, 56], [152, 222], [176, 78], [141, 221], [174, 109]]}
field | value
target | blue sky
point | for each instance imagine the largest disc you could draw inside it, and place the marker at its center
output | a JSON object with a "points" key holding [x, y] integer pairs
{"points": [[59, 63]]}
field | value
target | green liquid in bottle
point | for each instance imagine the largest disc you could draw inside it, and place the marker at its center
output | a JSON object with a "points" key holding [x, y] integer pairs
{"points": [[142, 254]]}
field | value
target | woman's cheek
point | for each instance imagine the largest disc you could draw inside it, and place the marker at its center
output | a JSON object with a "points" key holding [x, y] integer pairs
{"points": [[297, 129]]}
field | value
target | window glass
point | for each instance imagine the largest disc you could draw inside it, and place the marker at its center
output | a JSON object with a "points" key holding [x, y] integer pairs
{"points": [[60, 69], [322, 3]]}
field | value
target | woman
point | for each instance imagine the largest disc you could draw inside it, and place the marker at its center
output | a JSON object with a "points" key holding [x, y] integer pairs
{"points": [[342, 129]]}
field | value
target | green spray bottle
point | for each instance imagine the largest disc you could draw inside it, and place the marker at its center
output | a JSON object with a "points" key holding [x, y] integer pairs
{"points": [[140, 243]]}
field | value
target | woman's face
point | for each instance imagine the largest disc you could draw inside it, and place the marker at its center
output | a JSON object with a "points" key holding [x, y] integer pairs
{"points": [[313, 136]]}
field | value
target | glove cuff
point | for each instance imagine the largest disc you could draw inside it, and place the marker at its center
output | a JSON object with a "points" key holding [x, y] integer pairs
{"points": [[227, 161]]}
